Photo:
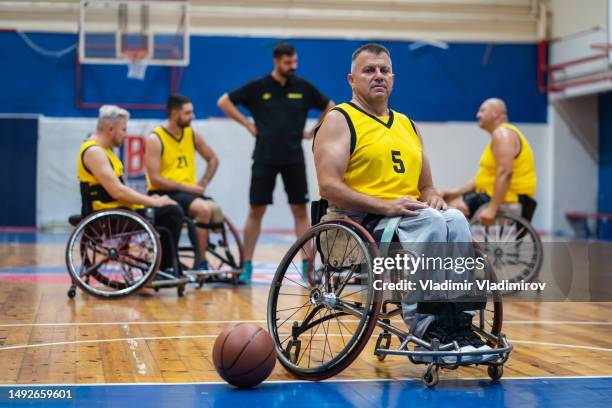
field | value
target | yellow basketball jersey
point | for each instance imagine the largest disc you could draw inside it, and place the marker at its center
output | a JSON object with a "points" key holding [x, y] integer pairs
{"points": [[386, 154], [177, 157], [92, 192], [523, 171]]}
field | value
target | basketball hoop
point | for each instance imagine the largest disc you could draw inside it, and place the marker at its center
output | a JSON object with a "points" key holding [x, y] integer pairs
{"points": [[137, 64]]}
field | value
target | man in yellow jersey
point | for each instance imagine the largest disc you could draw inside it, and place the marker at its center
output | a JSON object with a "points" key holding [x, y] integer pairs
{"points": [[100, 174], [507, 169], [370, 161], [171, 169]]}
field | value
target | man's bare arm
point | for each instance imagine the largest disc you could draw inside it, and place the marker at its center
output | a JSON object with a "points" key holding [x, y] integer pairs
{"points": [[332, 154], [212, 161], [504, 145], [231, 111], [153, 152], [97, 162]]}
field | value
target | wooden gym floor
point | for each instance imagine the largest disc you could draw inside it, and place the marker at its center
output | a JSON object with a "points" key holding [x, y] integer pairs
{"points": [[46, 338]]}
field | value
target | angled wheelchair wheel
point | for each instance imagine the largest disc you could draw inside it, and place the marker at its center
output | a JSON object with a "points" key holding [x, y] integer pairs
{"points": [[512, 246], [490, 318], [225, 251], [113, 253], [320, 328]]}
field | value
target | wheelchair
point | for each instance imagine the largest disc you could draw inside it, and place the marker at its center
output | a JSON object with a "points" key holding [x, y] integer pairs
{"points": [[320, 327], [225, 253], [511, 244], [114, 253]]}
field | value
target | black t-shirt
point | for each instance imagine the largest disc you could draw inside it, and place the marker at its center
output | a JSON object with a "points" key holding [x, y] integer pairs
{"points": [[280, 115]]}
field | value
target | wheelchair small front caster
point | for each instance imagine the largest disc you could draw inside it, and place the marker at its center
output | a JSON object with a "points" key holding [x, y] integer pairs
{"points": [[431, 376], [383, 342], [180, 290], [495, 372], [71, 293]]}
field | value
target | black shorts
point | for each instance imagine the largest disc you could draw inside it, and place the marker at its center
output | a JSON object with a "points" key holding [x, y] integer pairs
{"points": [[183, 198], [475, 200], [263, 179]]}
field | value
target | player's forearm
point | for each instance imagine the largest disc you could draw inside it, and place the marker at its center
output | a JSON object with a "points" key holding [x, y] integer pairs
{"points": [[163, 184], [500, 188], [427, 193], [342, 196], [211, 170], [469, 186], [126, 195]]}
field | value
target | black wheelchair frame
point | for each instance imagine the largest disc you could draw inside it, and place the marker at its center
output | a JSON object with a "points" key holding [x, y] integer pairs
{"points": [[116, 252], [300, 312], [511, 244]]}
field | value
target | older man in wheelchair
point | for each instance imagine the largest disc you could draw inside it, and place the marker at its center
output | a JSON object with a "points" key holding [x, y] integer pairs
{"points": [[375, 180], [114, 251], [499, 200]]}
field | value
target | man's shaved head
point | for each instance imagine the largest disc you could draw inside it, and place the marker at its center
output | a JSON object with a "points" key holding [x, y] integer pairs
{"points": [[491, 113], [497, 104]]}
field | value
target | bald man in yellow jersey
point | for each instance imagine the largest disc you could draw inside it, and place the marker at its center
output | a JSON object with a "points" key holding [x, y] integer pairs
{"points": [[100, 173], [171, 168], [370, 160], [507, 167]]}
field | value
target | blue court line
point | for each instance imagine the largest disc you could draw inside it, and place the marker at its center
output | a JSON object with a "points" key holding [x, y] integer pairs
{"points": [[35, 270], [62, 238], [573, 392]]}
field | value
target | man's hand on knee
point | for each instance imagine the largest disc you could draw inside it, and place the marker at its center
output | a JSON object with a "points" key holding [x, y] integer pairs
{"points": [[404, 206]]}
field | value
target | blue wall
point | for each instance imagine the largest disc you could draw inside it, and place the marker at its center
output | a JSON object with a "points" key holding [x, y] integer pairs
{"points": [[18, 144], [605, 153], [431, 84]]}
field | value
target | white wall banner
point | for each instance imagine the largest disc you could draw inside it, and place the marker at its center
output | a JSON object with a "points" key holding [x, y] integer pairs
{"points": [[453, 148]]}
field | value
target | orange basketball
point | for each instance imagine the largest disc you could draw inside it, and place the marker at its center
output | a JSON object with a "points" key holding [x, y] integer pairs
{"points": [[244, 354]]}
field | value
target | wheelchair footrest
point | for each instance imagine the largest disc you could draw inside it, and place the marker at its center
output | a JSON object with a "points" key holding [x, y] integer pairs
{"points": [[212, 272], [164, 283], [437, 352]]}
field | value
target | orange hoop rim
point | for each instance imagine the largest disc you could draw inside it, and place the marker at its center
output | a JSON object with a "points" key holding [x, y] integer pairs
{"points": [[136, 55]]}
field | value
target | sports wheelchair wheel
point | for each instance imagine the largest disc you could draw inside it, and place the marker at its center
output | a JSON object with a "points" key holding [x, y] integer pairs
{"points": [[113, 253], [225, 250], [319, 329], [512, 246]]}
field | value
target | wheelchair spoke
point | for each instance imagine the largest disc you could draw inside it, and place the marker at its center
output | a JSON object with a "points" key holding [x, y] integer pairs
{"points": [[352, 293], [293, 308], [94, 268], [291, 280], [344, 256], [326, 341], [309, 348], [145, 265], [340, 330]]}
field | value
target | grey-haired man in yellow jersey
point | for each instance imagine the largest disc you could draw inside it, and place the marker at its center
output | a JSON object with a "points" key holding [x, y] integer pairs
{"points": [[370, 160], [507, 168], [170, 163], [100, 173]]}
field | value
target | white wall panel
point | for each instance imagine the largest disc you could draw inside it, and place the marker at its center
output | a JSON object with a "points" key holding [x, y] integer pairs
{"points": [[454, 150]]}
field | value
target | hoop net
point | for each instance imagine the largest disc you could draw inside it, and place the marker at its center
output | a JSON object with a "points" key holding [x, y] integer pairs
{"points": [[137, 64]]}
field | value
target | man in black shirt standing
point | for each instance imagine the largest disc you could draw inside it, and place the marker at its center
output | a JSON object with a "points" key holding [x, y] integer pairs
{"points": [[279, 103]]}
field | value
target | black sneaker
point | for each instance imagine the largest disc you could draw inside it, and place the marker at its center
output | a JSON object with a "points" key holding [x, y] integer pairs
{"points": [[468, 340], [438, 329]]}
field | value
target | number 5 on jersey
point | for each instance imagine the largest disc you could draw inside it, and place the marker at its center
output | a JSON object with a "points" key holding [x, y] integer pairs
{"points": [[398, 165]]}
